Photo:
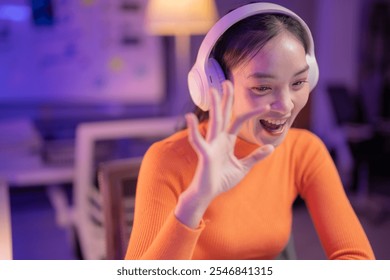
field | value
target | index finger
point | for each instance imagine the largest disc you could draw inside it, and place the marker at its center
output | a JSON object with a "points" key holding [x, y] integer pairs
{"points": [[236, 125]]}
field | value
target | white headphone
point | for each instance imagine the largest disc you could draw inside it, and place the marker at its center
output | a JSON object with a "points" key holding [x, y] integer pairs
{"points": [[206, 71]]}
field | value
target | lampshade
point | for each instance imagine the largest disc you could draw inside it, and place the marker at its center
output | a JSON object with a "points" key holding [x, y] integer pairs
{"points": [[180, 17]]}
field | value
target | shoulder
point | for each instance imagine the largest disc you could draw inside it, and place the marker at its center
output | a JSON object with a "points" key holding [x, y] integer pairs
{"points": [[305, 147], [310, 156], [300, 141], [170, 162], [173, 149]]}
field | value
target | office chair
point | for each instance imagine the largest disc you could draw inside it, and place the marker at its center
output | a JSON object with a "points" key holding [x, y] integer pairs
{"points": [[367, 143]]}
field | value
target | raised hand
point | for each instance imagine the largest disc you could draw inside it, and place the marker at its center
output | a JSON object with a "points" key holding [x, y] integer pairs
{"points": [[218, 169]]}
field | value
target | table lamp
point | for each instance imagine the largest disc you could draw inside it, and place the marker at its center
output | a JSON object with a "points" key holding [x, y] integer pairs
{"points": [[181, 19]]}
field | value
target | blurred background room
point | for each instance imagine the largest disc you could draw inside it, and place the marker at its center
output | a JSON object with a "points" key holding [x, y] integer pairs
{"points": [[83, 82]]}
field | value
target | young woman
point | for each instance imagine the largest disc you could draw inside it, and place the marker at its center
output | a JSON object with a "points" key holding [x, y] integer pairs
{"points": [[224, 187]]}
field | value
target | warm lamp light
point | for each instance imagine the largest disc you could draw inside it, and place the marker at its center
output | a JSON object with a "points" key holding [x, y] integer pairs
{"points": [[180, 17]]}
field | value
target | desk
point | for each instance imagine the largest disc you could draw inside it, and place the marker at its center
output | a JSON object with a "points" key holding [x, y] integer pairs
{"points": [[30, 170], [21, 165], [5, 223], [38, 175]]}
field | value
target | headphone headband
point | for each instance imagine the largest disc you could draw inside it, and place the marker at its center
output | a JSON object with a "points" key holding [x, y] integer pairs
{"points": [[202, 75]]}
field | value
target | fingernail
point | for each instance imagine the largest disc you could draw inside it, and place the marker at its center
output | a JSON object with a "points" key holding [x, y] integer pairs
{"points": [[268, 148]]}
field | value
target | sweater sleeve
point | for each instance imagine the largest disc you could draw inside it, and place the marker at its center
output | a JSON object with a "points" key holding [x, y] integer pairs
{"points": [[336, 223], [156, 233]]}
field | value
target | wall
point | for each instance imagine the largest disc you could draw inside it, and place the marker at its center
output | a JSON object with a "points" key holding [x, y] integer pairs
{"points": [[64, 62], [337, 37], [78, 53]]}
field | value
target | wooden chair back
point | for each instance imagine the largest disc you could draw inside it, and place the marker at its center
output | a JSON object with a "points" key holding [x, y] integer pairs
{"points": [[117, 183]]}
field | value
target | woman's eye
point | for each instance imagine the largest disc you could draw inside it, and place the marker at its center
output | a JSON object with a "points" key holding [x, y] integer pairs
{"points": [[299, 84], [261, 89]]}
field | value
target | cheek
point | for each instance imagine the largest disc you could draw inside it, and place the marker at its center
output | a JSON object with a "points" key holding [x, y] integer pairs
{"points": [[245, 102], [301, 101], [240, 102]]}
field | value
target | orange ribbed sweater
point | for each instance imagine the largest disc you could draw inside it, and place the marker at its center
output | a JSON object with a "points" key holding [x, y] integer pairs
{"points": [[252, 220]]}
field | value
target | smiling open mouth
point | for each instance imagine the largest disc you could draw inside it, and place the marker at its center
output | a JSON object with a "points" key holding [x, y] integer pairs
{"points": [[273, 126]]}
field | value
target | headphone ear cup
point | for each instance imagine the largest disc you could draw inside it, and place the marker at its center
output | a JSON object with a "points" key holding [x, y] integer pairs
{"points": [[215, 75], [313, 71], [199, 87], [196, 88]]}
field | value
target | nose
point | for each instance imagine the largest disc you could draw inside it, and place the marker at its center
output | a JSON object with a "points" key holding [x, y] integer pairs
{"points": [[282, 102]]}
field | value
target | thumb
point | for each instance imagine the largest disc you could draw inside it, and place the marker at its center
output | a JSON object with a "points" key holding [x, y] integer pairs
{"points": [[257, 155]]}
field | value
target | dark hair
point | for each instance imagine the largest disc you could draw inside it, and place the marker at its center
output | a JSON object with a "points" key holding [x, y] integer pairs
{"points": [[242, 41]]}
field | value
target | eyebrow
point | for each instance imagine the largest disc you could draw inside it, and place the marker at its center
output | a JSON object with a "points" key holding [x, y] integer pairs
{"points": [[259, 75]]}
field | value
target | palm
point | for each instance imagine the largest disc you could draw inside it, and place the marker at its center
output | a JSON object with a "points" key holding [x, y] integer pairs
{"points": [[218, 168]]}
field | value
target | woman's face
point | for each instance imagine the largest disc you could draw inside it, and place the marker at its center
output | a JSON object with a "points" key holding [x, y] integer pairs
{"points": [[277, 79]]}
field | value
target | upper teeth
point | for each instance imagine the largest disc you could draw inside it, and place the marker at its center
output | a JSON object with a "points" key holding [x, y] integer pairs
{"points": [[276, 122]]}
